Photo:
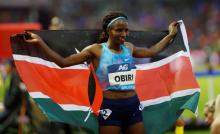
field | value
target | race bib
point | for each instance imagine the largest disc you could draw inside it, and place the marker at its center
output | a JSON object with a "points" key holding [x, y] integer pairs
{"points": [[121, 74]]}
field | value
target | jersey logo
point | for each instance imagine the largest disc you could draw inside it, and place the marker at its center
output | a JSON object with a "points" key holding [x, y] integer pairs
{"points": [[120, 67], [123, 67], [141, 107], [126, 59], [105, 113]]}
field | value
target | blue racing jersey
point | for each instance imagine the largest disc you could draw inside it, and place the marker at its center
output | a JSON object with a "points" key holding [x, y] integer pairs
{"points": [[116, 71]]}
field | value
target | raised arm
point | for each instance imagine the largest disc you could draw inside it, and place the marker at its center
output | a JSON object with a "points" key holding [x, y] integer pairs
{"points": [[140, 52], [73, 59]]}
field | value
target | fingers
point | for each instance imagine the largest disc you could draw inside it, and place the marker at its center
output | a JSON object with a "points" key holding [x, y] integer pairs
{"points": [[174, 23], [31, 41], [19, 37], [173, 28], [29, 35]]}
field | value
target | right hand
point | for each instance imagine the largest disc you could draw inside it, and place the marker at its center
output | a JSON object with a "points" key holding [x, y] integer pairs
{"points": [[34, 38]]}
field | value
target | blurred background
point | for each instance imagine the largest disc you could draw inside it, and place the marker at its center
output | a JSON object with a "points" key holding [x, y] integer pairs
{"points": [[201, 18]]}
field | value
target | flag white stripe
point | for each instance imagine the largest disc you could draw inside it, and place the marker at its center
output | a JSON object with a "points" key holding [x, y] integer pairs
{"points": [[66, 107], [163, 99], [38, 95], [184, 35], [36, 60], [72, 107], [161, 62], [185, 38]]}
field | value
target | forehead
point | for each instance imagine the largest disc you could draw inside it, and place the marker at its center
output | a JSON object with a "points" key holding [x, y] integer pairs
{"points": [[119, 23]]}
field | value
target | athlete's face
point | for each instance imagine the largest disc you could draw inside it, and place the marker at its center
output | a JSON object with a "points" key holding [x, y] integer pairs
{"points": [[118, 31]]}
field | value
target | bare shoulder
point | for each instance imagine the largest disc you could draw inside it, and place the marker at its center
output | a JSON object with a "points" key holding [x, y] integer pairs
{"points": [[129, 45], [93, 47]]}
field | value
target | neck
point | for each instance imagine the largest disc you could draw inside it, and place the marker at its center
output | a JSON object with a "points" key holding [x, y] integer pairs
{"points": [[113, 46]]}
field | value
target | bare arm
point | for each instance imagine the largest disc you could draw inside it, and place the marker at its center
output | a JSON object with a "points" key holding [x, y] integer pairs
{"points": [[148, 52], [73, 59]]}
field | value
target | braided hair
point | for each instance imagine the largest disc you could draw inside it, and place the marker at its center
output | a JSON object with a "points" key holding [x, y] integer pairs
{"points": [[106, 20]]}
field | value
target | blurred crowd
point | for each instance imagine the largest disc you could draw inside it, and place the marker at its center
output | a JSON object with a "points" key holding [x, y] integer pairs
{"points": [[201, 18]]}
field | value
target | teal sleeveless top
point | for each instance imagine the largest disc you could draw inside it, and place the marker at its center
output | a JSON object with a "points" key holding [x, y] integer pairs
{"points": [[116, 71]]}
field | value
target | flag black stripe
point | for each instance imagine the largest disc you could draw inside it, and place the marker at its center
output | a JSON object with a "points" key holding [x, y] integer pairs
{"points": [[65, 41]]}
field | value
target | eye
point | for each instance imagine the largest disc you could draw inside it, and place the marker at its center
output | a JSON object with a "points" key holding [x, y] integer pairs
{"points": [[119, 30], [126, 30]]}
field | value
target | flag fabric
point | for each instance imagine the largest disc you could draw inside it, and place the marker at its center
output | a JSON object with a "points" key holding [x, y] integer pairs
{"points": [[165, 83], [6, 30]]}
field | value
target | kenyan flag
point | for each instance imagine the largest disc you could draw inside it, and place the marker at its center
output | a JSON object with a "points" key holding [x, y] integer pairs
{"points": [[165, 83]]}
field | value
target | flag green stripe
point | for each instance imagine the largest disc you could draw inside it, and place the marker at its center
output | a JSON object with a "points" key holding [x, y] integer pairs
{"points": [[161, 117], [55, 113], [157, 118]]}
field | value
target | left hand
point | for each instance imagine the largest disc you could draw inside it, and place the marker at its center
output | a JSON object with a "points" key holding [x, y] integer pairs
{"points": [[173, 28]]}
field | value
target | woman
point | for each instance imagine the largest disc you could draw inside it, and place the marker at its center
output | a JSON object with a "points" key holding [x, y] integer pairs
{"points": [[113, 61], [215, 126]]}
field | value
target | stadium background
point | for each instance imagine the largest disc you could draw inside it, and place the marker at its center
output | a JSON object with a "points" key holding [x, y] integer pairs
{"points": [[201, 18]]}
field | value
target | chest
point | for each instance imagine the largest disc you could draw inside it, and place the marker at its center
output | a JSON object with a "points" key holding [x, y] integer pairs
{"points": [[106, 57]]}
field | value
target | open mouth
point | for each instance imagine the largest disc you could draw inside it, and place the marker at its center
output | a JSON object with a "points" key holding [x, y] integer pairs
{"points": [[122, 39]]}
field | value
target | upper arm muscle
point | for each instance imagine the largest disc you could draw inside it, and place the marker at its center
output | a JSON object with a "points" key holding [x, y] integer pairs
{"points": [[140, 52], [78, 58]]}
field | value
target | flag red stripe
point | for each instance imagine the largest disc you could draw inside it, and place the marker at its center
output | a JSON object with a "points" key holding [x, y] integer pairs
{"points": [[64, 86], [166, 79], [7, 30]]}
